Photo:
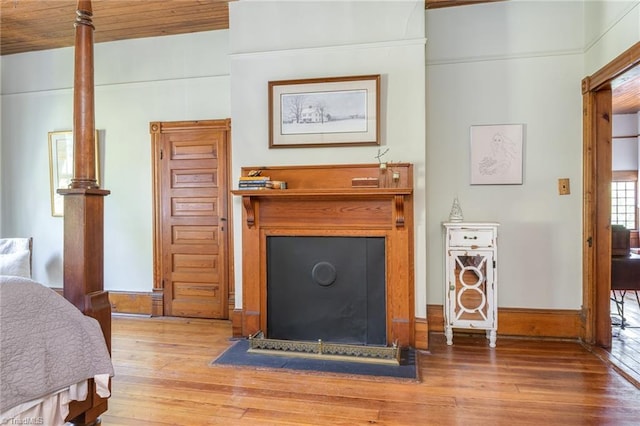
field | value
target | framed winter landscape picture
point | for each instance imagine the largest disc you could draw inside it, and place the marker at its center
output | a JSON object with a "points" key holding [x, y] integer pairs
{"points": [[324, 112], [496, 154]]}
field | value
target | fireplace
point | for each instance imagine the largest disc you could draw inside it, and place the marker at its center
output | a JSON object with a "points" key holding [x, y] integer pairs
{"points": [[326, 288], [318, 214]]}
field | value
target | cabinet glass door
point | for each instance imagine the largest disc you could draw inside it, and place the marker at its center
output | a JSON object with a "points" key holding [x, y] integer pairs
{"points": [[471, 288]]}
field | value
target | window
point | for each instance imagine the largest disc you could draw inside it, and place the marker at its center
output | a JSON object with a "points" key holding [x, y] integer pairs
{"points": [[623, 199]]}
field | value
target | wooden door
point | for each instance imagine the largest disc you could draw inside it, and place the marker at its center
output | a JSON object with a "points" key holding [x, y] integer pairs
{"points": [[191, 235]]}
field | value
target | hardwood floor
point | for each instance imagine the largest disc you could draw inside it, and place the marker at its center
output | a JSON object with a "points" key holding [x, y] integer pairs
{"points": [[625, 344], [163, 377]]}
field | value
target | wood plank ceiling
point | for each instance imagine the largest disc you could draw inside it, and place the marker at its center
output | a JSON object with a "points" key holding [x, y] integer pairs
{"points": [[32, 25], [625, 91]]}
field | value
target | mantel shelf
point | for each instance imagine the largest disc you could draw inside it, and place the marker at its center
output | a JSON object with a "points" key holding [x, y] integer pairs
{"points": [[315, 192], [397, 194]]}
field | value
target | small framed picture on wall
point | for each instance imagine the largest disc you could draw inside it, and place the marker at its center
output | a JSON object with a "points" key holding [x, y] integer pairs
{"points": [[496, 153], [61, 166]]}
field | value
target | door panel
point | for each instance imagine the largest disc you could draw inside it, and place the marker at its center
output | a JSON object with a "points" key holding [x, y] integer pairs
{"points": [[192, 222]]}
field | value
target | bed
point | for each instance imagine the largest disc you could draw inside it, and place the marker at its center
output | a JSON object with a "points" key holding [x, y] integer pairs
{"points": [[50, 350], [79, 386]]}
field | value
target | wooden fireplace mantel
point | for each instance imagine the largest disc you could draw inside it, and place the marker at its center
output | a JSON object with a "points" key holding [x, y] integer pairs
{"points": [[321, 201]]}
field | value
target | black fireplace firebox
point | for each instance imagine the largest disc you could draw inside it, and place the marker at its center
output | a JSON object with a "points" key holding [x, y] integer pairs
{"points": [[328, 288]]}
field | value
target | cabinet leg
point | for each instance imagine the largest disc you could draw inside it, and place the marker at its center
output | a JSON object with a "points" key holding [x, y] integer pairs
{"points": [[491, 335], [448, 332]]}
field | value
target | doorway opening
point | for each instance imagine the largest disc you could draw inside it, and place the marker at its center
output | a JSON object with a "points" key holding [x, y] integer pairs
{"points": [[597, 159]]}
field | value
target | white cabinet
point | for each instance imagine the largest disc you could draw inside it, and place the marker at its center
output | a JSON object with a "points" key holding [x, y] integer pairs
{"points": [[471, 296]]}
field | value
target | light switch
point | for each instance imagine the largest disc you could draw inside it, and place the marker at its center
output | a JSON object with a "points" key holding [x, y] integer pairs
{"points": [[563, 186]]}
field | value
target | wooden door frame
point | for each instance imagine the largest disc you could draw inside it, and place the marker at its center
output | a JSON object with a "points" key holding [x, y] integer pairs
{"points": [[156, 129], [597, 166]]}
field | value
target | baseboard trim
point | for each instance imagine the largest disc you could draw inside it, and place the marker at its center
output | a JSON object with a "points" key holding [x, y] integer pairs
{"points": [[521, 322], [157, 302], [421, 334], [236, 323], [125, 302], [129, 302]]}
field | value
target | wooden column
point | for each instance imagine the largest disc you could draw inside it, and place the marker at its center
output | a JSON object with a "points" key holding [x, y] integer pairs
{"points": [[84, 129], [83, 210]]}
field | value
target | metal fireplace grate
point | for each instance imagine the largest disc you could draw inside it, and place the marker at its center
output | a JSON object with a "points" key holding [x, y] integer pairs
{"points": [[325, 350]]}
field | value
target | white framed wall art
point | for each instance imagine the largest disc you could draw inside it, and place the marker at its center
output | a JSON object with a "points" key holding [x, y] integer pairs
{"points": [[496, 153]]}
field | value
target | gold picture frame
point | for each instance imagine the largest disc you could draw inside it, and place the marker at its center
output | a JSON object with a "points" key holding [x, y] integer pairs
{"points": [[321, 112], [61, 166]]}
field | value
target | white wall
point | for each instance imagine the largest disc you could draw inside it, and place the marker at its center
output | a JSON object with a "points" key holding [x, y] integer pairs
{"points": [[279, 40], [625, 149], [504, 63], [611, 27], [182, 77]]}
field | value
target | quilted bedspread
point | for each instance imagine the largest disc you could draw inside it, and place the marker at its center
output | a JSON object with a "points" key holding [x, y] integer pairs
{"points": [[46, 344]]}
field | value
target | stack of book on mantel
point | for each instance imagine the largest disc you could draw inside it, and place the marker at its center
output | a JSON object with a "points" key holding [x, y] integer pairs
{"points": [[254, 182]]}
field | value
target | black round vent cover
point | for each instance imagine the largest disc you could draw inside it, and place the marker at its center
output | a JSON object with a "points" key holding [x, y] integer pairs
{"points": [[323, 273]]}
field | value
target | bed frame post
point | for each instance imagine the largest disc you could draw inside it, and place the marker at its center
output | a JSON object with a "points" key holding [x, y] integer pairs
{"points": [[84, 211]]}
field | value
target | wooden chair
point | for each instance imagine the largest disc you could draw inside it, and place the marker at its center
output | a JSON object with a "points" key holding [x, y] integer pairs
{"points": [[625, 269], [620, 240]]}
